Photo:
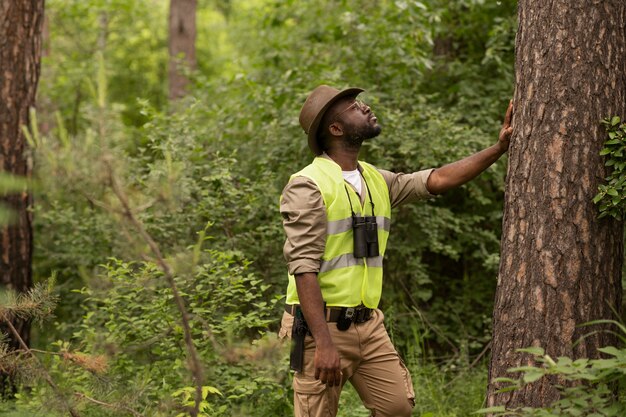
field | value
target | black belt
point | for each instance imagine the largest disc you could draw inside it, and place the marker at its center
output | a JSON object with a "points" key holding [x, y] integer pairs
{"points": [[359, 314]]}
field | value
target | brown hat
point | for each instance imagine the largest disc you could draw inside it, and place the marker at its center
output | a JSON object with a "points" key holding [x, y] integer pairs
{"points": [[314, 108]]}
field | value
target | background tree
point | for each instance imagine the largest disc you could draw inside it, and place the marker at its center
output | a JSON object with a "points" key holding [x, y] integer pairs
{"points": [[20, 54], [182, 45], [560, 265]]}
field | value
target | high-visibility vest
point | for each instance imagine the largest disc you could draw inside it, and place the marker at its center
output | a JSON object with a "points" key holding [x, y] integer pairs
{"points": [[345, 280]]}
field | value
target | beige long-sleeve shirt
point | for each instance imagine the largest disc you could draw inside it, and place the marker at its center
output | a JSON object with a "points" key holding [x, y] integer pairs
{"points": [[304, 215]]}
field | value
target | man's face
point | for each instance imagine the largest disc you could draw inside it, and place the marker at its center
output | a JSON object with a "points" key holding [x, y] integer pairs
{"points": [[357, 119]]}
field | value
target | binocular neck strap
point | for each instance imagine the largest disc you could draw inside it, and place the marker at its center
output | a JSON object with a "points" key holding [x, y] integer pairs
{"points": [[369, 194], [349, 200]]}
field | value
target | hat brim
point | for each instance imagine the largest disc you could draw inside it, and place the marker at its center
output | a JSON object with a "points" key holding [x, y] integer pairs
{"points": [[313, 142]]}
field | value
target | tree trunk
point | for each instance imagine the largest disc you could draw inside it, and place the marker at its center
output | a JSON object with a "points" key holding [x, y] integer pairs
{"points": [[20, 54], [182, 45], [560, 266]]}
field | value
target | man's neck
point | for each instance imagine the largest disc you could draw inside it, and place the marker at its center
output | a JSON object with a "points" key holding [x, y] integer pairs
{"points": [[346, 158]]}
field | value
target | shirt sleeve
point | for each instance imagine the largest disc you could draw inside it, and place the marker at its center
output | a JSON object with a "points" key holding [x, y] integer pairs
{"points": [[304, 220], [406, 188]]}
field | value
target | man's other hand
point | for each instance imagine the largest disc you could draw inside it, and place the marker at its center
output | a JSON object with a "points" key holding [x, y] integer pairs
{"points": [[327, 365]]}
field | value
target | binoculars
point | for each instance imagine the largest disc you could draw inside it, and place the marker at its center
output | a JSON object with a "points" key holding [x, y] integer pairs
{"points": [[365, 235]]}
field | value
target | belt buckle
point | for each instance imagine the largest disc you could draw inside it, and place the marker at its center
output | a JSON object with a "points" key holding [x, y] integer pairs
{"points": [[350, 312]]}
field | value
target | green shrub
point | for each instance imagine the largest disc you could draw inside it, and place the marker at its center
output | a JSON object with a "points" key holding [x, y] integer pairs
{"points": [[133, 347], [587, 387]]}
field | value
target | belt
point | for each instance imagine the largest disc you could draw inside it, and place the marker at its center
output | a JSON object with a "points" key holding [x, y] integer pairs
{"points": [[359, 314]]}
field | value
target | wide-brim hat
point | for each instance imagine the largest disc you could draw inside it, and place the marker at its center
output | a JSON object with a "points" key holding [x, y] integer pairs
{"points": [[316, 105]]}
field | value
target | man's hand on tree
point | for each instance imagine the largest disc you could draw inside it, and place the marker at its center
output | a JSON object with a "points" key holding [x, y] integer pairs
{"points": [[507, 130]]}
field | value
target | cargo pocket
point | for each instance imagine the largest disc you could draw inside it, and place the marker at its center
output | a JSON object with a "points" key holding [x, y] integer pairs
{"points": [[286, 325], [309, 396], [408, 383]]}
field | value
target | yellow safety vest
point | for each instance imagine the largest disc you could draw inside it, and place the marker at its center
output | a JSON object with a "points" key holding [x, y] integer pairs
{"points": [[345, 280]]}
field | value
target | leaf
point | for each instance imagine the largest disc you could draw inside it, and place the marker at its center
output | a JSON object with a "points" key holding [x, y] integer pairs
{"points": [[615, 121], [504, 379], [11, 183], [612, 351], [210, 390], [522, 369], [605, 321], [537, 351], [615, 200], [597, 198], [508, 389], [496, 409], [532, 376]]}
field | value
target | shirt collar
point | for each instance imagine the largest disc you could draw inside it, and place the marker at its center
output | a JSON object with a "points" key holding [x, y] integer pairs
{"points": [[358, 164]]}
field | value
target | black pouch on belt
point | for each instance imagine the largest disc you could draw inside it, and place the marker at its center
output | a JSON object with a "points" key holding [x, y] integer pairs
{"points": [[298, 333], [346, 317]]}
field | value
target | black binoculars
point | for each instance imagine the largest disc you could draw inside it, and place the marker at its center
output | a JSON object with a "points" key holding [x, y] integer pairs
{"points": [[365, 233]]}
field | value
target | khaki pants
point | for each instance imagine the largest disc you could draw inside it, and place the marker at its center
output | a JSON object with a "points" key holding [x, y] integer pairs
{"points": [[368, 360]]}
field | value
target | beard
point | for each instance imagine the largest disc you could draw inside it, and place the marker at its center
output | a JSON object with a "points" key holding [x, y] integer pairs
{"points": [[355, 135]]}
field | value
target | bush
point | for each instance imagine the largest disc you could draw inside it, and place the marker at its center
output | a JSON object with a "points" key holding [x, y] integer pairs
{"points": [[587, 387]]}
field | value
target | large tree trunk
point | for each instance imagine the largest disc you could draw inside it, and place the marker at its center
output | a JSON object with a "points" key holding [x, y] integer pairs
{"points": [[560, 266], [20, 54], [182, 45]]}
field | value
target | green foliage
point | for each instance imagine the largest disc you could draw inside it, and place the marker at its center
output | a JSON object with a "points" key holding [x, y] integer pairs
{"points": [[447, 394], [9, 184], [132, 323], [611, 196], [206, 409], [204, 178], [36, 304], [131, 34], [587, 387]]}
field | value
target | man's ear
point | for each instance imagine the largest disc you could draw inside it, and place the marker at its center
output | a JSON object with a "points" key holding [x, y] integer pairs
{"points": [[335, 129]]}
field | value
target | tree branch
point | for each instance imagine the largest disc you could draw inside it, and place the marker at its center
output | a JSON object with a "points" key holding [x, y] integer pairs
{"points": [[194, 361], [46, 375], [114, 406]]}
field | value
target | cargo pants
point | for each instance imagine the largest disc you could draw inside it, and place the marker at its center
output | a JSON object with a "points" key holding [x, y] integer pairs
{"points": [[368, 360]]}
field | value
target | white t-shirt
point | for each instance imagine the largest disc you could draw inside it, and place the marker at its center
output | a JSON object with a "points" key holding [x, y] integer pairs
{"points": [[354, 178]]}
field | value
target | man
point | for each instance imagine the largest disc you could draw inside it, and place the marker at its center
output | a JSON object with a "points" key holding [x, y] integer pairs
{"points": [[336, 215]]}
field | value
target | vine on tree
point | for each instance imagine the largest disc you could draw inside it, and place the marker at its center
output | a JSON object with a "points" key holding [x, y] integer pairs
{"points": [[612, 194]]}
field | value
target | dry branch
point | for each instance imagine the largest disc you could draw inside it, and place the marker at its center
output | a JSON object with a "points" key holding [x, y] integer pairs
{"points": [[127, 212], [46, 375]]}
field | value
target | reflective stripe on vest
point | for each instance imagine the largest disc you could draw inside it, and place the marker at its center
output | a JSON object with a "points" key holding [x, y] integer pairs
{"points": [[346, 280]]}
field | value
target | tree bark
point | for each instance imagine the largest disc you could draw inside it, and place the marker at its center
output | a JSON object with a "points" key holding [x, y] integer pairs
{"points": [[560, 266], [20, 54], [182, 45]]}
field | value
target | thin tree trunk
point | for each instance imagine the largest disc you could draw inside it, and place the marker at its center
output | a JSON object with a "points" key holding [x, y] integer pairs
{"points": [[182, 45], [560, 266], [20, 54]]}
